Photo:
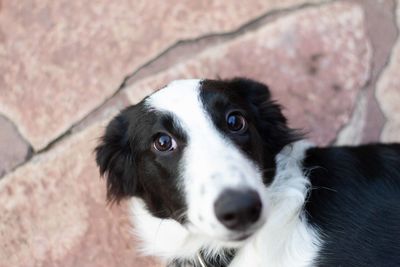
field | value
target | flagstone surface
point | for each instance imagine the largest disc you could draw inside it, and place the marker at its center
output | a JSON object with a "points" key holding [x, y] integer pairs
{"points": [[333, 65]]}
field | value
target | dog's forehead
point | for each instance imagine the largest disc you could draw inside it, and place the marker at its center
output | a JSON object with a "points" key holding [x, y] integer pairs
{"points": [[180, 98], [176, 95]]}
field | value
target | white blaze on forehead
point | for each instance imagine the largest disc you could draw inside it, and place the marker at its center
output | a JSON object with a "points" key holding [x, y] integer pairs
{"points": [[181, 98], [208, 152], [211, 162], [206, 145]]}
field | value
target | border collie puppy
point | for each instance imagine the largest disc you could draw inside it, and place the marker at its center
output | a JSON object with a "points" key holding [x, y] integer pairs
{"points": [[218, 179]]}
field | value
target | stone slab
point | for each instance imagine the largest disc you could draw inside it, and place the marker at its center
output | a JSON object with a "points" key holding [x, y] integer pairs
{"points": [[14, 150], [54, 213], [61, 59], [315, 61], [388, 93], [367, 121]]}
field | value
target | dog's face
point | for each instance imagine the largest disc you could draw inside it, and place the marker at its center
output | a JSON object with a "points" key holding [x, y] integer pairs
{"points": [[200, 152]]}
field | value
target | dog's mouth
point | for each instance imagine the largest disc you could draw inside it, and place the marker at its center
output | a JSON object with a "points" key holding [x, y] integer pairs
{"points": [[238, 237], [242, 237]]}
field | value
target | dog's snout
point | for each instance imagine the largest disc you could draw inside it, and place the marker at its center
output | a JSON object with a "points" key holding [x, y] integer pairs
{"points": [[238, 210]]}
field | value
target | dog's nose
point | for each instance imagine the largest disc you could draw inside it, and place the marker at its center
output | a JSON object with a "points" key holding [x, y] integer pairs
{"points": [[237, 210]]}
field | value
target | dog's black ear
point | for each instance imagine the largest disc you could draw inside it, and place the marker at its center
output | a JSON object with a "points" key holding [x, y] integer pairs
{"points": [[271, 122], [251, 88], [115, 159]]}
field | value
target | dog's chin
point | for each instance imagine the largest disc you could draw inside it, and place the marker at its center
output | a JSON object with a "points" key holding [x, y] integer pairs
{"points": [[235, 240], [232, 239], [239, 237]]}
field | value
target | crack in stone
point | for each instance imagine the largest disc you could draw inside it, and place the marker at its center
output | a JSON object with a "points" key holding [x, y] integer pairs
{"points": [[18, 131], [373, 78], [348, 133], [29, 152], [357, 108], [28, 157], [396, 22], [378, 77], [211, 39], [252, 25]]}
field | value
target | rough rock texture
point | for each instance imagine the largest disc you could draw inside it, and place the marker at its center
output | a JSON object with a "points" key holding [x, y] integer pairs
{"points": [[388, 93], [331, 69], [367, 119], [13, 148], [57, 64], [53, 212], [63, 61]]}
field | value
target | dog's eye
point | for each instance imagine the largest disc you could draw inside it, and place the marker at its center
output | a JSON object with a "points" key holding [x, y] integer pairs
{"points": [[163, 142], [236, 122]]}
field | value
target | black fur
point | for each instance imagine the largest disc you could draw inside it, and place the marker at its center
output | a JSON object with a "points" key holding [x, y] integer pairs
{"points": [[268, 132], [355, 203], [116, 159], [132, 168]]}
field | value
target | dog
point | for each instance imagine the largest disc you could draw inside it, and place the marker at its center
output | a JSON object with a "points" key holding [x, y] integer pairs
{"points": [[216, 178]]}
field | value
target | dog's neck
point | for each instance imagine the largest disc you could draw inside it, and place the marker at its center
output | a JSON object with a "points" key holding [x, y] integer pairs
{"points": [[285, 240]]}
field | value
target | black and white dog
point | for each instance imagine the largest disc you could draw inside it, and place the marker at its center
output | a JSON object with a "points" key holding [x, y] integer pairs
{"points": [[217, 178]]}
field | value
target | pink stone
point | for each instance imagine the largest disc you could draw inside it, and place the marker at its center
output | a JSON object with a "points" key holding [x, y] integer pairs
{"points": [[314, 69], [13, 148], [388, 93], [54, 213], [61, 59]]}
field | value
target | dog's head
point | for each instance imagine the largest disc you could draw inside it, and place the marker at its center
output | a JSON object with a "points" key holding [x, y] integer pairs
{"points": [[200, 152]]}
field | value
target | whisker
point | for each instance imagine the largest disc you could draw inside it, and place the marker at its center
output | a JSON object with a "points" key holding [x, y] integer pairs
{"points": [[323, 187]]}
